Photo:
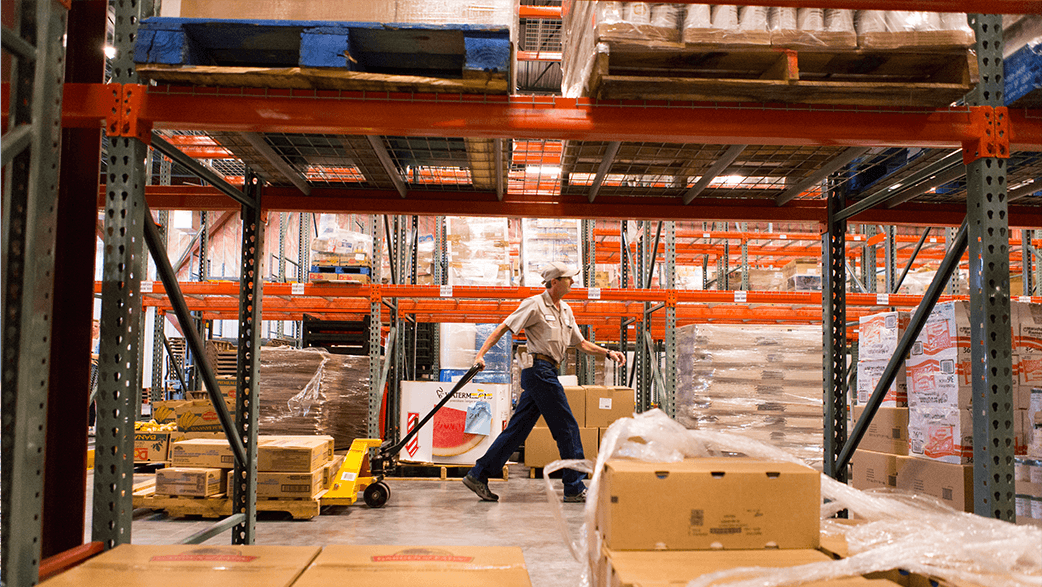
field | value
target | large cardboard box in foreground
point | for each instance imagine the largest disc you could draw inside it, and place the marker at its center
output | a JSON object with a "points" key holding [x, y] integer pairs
{"points": [[177, 565], [887, 432], [605, 405], [431, 566], [576, 401], [462, 430], [709, 503], [541, 449], [677, 567]]}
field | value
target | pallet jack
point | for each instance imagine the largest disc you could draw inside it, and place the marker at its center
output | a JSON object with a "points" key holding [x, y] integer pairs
{"points": [[360, 472]]}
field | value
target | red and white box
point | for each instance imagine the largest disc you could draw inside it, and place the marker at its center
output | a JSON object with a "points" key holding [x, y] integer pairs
{"points": [[939, 383], [879, 334], [462, 430], [1027, 324], [868, 375], [942, 434], [946, 334]]}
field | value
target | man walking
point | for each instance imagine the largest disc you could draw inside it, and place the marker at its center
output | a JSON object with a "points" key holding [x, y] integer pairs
{"points": [[550, 329]]}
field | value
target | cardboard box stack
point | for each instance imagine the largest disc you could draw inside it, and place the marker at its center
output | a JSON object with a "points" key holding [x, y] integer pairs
{"points": [[706, 515], [878, 336], [595, 407], [1027, 353], [802, 275], [462, 430], [763, 382], [287, 466], [1028, 486], [341, 255]]}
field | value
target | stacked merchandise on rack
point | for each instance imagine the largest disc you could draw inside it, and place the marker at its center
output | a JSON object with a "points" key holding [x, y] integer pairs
{"points": [[311, 391], [341, 255], [479, 251], [1028, 352], [459, 347], [545, 240], [763, 382]]}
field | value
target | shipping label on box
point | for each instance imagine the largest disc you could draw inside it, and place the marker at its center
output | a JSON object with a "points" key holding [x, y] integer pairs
{"points": [[879, 334], [151, 447], [868, 375], [462, 430], [202, 452], [605, 405], [939, 383], [942, 434], [293, 454], [196, 482], [576, 402], [887, 432], [541, 449], [709, 503]]}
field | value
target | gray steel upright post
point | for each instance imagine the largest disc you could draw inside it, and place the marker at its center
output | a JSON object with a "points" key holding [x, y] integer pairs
{"points": [[303, 264], [30, 202], [990, 334], [120, 305], [834, 331], [890, 262], [623, 284], [1025, 261], [247, 410], [439, 279], [954, 283], [588, 371], [159, 321], [375, 395], [745, 258], [669, 271]]}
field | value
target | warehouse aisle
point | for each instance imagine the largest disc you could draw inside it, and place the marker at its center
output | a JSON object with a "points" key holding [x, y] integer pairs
{"points": [[419, 512]]}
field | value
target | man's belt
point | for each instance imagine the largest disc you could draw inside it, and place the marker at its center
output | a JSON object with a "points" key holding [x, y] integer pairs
{"points": [[547, 358]]}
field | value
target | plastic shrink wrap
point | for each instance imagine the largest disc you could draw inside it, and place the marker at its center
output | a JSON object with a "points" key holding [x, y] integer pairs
{"points": [[763, 382], [310, 391], [906, 531], [545, 240], [479, 251]]}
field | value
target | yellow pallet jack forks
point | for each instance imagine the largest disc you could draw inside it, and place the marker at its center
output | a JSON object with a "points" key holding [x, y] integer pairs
{"points": [[360, 473]]}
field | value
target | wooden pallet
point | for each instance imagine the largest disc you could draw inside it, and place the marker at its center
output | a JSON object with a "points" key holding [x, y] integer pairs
{"points": [[219, 506], [427, 471], [932, 77], [326, 55]]}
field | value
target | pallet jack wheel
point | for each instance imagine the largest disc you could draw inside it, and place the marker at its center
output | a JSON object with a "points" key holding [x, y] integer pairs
{"points": [[376, 494]]}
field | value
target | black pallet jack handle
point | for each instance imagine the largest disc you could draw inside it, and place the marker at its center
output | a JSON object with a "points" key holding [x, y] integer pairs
{"points": [[394, 450]]}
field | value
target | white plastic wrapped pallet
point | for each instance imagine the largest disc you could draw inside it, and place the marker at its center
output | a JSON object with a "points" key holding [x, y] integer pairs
{"points": [[899, 530]]}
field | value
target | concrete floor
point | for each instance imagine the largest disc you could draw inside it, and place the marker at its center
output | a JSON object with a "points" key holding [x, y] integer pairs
{"points": [[419, 512]]}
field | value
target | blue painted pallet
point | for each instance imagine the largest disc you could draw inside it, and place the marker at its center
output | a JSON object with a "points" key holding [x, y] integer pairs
{"points": [[353, 269], [413, 49], [1023, 77]]}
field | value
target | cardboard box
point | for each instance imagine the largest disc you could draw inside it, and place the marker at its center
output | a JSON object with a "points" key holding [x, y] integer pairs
{"points": [[678, 567], [151, 447], [541, 449], [951, 483], [709, 503], [945, 335], [1029, 372], [887, 432], [194, 482], [604, 405], [940, 383], [329, 470], [200, 416], [462, 430], [165, 411], [1027, 321], [290, 484], [202, 453], [868, 375], [576, 401], [352, 564], [941, 433], [196, 565], [801, 267], [293, 454], [879, 334], [871, 469]]}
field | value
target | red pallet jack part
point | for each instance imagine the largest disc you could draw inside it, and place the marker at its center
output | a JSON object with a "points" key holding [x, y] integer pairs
{"points": [[362, 473]]}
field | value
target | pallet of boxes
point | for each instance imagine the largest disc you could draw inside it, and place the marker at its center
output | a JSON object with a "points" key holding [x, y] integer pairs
{"points": [[595, 407], [1028, 367], [921, 439], [292, 471]]}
